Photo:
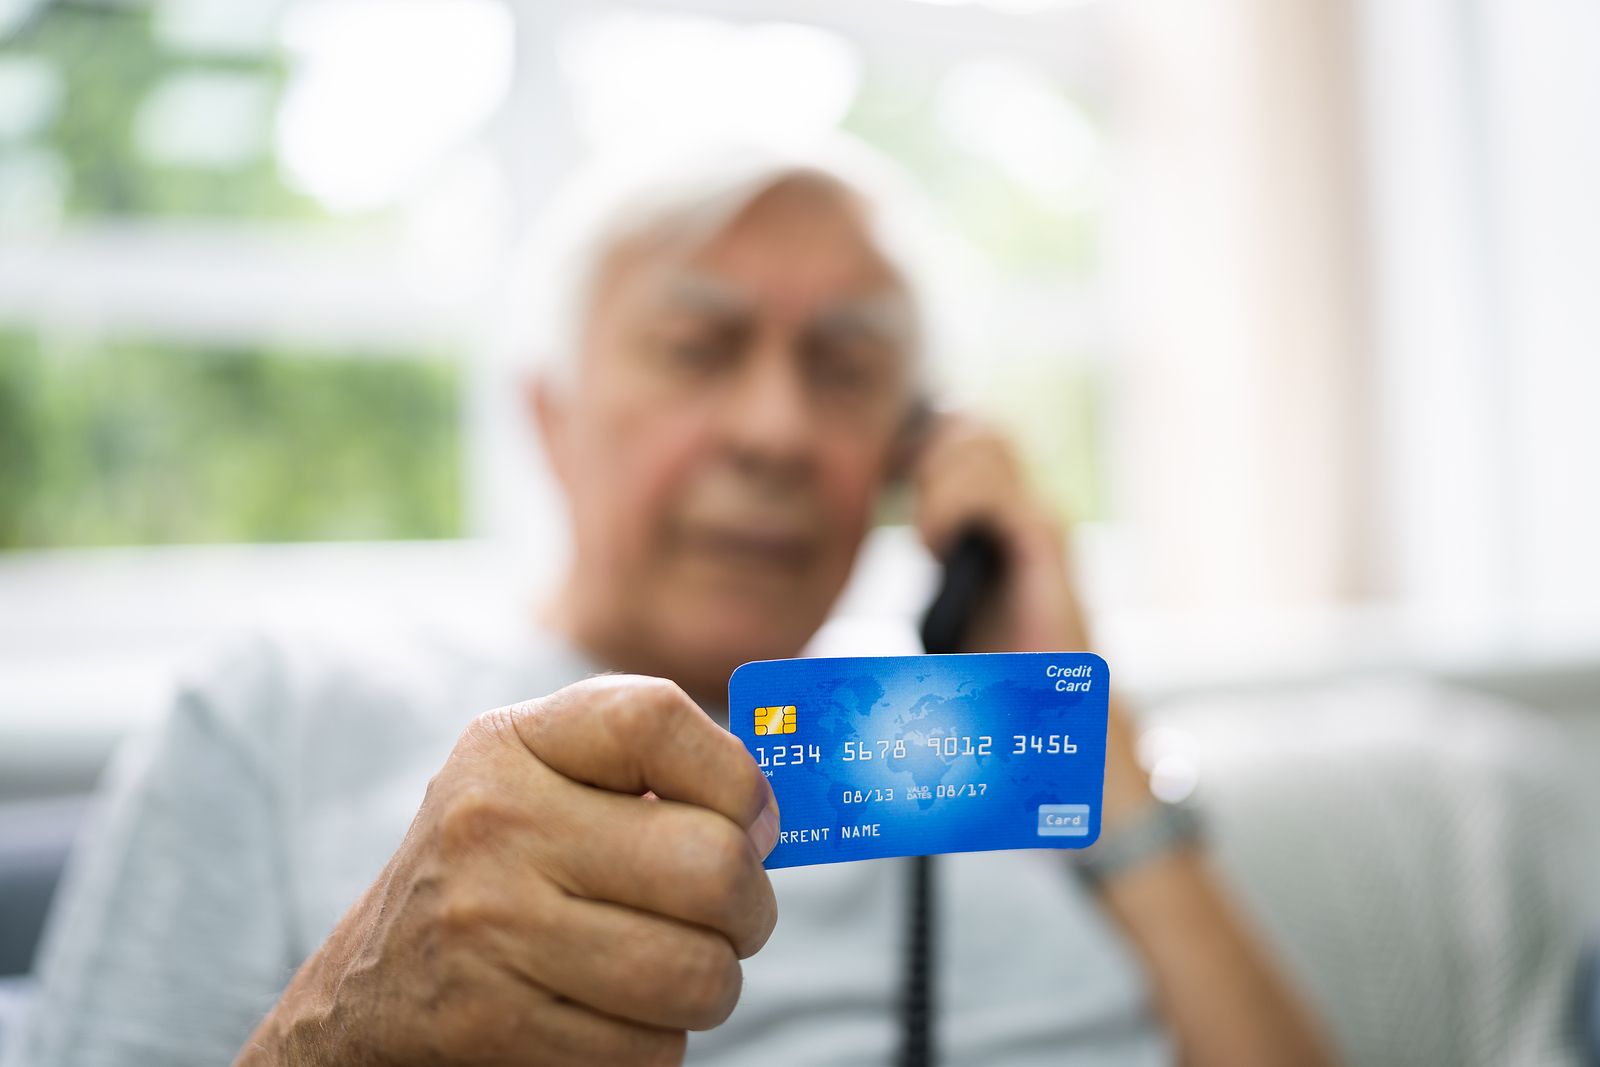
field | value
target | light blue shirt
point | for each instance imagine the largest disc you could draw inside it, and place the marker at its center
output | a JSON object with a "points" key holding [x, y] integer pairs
{"points": [[231, 840]]}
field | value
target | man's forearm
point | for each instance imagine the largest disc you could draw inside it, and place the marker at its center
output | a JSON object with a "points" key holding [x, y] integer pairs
{"points": [[306, 1026], [1223, 997]]}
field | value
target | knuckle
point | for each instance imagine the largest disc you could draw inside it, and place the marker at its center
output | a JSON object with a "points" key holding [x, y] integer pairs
{"points": [[543, 918], [470, 820], [645, 707], [980, 430], [738, 909], [982, 443], [630, 717], [499, 726], [769, 918], [486, 726], [661, 697], [755, 781], [459, 914], [1051, 525], [663, 691], [724, 878], [709, 979], [666, 1049]]}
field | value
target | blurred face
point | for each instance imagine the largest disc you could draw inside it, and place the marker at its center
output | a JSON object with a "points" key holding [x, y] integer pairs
{"points": [[734, 417]]}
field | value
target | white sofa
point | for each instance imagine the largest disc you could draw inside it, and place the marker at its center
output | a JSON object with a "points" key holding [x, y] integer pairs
{"points": [[1420, 855]]}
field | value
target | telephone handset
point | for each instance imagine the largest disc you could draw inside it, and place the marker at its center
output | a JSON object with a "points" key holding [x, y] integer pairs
{"points": [[973, 568]]}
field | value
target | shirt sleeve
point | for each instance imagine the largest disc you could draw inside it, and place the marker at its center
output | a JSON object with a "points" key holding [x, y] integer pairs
{"points": [[168, 941]]}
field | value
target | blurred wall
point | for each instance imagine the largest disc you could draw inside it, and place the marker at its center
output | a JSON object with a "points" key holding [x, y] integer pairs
{"points": [[1245, 388]]}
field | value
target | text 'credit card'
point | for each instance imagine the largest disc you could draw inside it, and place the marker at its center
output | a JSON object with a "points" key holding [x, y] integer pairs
{"points": [[917, 755]]}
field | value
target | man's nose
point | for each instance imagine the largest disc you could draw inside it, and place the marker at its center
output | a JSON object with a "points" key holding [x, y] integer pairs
{"points": [[769, 419]]}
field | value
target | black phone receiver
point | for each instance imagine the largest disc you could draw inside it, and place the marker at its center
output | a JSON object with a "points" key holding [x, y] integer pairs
{"points": [[972, 568], [972, 571]]}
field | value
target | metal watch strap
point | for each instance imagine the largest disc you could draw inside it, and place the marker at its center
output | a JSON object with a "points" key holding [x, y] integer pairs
{"points": [[1160, 829]]}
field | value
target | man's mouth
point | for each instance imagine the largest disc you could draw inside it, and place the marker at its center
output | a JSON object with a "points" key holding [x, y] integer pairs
{"points": [[750, 546]]}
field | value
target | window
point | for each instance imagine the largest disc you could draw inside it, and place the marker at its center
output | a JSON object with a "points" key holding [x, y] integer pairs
{"points": [[250, 253], [297, 212], [242, 241]]}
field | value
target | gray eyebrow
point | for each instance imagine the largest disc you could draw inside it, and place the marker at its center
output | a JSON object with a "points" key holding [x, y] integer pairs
{"points": [[884, 316], [703, 292]]}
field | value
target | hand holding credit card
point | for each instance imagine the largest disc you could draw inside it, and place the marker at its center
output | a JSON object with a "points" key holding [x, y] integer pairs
{"points": [[918, 755]]}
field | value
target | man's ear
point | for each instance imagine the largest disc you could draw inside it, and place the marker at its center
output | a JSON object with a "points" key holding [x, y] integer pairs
{"points": [[908, 441], [894, 504], [548, 406]]}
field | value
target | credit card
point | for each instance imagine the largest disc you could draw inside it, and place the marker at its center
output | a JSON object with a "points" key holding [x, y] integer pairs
{"points": [[918, 755]]}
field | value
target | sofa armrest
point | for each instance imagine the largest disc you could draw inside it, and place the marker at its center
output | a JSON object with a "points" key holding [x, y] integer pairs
{"points": [[1410, 850]]}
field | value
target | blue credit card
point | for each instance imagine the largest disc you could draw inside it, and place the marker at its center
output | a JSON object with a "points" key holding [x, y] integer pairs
{"points": [[916, 755]]}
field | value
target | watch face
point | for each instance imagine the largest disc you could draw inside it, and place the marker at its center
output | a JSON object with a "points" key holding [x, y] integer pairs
{"points": [[1162, 828]]}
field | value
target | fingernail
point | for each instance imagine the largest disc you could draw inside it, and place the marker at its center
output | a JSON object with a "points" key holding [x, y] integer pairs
{"points": [[765, 831]]}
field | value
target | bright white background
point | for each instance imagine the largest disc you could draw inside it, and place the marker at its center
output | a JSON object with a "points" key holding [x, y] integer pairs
{"points": [[1338, 315]]}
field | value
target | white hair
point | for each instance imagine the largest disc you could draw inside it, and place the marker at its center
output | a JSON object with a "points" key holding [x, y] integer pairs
{"points": [[615, 199]]}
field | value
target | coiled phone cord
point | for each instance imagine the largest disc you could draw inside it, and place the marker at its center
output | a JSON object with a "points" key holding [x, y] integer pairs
{"points": [[972, 569], [916, 1009]]}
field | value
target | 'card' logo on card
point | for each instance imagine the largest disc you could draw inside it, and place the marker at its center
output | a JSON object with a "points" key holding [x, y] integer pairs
{"points": [[778, 719]]}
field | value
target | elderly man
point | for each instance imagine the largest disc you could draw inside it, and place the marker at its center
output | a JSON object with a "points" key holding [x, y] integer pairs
{"points": [[583, 876]]}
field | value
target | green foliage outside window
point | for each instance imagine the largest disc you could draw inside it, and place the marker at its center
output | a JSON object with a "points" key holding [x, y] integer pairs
{"points": [[138, 443], [109, 62]]}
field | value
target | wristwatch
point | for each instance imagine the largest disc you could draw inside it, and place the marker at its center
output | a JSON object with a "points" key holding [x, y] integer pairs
{"points": [[1161, 828]]}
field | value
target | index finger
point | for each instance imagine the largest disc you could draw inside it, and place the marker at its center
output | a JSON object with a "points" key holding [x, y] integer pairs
{"points": [[633, 734]]}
